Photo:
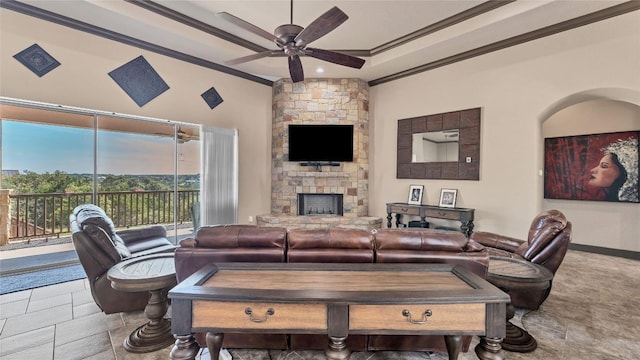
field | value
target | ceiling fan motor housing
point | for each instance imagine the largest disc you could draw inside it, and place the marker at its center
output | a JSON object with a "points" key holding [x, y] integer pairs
{"points": [[285, 35]]}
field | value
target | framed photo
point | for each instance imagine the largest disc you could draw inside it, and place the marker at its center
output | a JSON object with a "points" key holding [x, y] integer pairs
{"points": [[415, 194], [448, 198], [597, 167]]}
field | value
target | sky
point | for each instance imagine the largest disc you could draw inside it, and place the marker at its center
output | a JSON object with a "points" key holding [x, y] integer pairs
{"points": [[47, 148]]}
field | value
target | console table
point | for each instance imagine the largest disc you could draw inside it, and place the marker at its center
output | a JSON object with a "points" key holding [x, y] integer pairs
{"points": [[465, 216]]}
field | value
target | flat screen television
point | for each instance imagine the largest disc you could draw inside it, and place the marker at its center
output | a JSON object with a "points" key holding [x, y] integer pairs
{"points": [[316, 143]]}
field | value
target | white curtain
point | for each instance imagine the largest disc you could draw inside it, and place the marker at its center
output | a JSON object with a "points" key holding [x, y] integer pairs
{"points": [[219, 182]]}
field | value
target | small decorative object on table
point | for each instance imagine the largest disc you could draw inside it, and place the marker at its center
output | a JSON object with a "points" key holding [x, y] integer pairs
{"points": [[415, 194], [448, 198]]}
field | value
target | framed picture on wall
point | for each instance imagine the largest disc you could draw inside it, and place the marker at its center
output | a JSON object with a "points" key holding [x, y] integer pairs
{"points": [[599, 167], [448, 198], [415, 194]]}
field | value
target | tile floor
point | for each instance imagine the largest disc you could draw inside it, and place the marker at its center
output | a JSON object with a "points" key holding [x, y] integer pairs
{"points": [[592, 313]]}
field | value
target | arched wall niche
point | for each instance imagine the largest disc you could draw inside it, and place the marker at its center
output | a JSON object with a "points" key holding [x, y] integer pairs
{"points": [[595, 223], [624, 95]]}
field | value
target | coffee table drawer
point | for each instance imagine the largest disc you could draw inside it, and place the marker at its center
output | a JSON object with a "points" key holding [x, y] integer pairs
{"points": [[244, 315], [457, 317]]}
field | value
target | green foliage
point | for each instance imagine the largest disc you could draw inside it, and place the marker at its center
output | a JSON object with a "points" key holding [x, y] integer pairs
{"points": [[130, 200], [60, 182], [47, 183]]}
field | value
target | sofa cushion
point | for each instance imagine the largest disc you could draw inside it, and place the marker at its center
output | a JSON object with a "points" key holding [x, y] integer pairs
{"points": [[420, 240], [229, 243], [338, 245], [240, 236], [334, 238], [431, 246]]}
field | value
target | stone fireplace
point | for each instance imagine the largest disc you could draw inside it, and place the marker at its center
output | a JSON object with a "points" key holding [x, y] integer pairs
{"points": [[318, 102]]}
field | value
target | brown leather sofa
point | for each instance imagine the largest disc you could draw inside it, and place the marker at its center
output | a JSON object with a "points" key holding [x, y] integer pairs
{"points": [[547, 243], [99, 246], [244, 243]]}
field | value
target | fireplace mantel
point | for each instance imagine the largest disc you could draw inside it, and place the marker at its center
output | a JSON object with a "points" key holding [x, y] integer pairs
{"points": [[319, 174], [319, 221]]}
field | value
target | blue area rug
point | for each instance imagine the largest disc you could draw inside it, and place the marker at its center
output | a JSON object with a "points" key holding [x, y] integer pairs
{"points": [[36, 279]]}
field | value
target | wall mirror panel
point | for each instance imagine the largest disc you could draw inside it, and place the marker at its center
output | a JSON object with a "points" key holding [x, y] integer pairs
{"points": [[440, 146], [435, 146]]}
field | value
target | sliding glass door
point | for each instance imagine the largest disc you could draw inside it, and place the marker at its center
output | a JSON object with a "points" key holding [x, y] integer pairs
{"points": [[47, 163], [140, 171]]}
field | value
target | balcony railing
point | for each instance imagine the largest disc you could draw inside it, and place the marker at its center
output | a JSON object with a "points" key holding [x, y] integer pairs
{"points": [[47, 215]]}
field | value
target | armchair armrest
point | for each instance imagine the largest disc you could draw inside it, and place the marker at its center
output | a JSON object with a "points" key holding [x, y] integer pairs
{"points": [[497, 241], [146, 232], [146, 240], [188, 243]]}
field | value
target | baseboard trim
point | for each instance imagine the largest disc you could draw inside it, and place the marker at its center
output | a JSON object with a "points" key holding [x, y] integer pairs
{"points": [[633, 255]]}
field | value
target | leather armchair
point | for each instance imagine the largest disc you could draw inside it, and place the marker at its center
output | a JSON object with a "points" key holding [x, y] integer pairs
{"points": [[546, 245], [99, 246]]}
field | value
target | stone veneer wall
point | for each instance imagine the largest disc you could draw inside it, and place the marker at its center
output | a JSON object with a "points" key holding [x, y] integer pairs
{"points": [[320, 101], [5, 216]]}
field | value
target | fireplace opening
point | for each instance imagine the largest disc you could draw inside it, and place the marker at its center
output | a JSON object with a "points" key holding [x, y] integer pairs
{"points": [[320, 204]]}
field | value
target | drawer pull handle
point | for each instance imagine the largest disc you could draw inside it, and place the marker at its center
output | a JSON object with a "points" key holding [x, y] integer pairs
{"points": [[425, 315], [442, 213], [249, 312], [404, 209]]}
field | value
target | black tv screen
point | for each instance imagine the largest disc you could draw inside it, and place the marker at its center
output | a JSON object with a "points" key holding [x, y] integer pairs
{"points": [[321, 143]]}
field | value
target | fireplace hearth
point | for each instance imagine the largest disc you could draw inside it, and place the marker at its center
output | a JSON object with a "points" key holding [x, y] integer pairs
{"points": [[320, 204]]}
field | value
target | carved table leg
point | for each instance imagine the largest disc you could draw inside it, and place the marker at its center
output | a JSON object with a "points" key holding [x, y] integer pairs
{"points": [[214, 344], [156, 333], [337, 348], [466, 227], [185, 348], [489, 349], [454, 345], [517, 339], [389, 220], [398, 220]]}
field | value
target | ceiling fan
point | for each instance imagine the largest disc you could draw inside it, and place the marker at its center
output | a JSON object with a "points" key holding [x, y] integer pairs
{"points": [[293, 40], [183, 136]]}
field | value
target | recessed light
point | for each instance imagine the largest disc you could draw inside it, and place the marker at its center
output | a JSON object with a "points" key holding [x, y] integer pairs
{"points": [[319, 70]]}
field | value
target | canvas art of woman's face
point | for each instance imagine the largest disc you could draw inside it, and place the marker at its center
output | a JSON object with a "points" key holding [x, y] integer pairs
{"points": [[605, 173]]}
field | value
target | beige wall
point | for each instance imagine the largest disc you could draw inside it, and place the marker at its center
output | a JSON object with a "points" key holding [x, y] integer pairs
{"points": [[517, 88], [83, 81]]}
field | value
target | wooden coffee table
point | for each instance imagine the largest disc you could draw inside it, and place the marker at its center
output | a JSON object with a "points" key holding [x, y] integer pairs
{"points": [[152, 273], [337, 300]]}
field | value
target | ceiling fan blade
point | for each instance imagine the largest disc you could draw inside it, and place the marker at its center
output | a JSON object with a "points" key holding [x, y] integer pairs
{"points": [[321, 26], [335, 57], [295, 68], [247, 26], [255, 56]]}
